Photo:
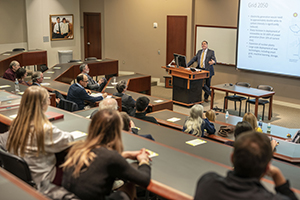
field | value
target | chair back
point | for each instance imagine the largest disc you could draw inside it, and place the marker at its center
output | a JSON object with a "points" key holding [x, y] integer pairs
{"points": [[90, 58], [16, 165], [244, 84], [18, 49], [265, 87], [44, 68], [68, 105], [71, 61]]}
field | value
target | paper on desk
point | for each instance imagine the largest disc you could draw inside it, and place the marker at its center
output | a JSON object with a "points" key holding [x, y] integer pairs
{"points": [[6, 54], [80, 62], [96, 94], [195, 142], [20, 93], [45, 84], [99, 60], [173, 119], [89, 116], [4, 86], [50, 72], [151, 153], [137, 128], [115, 83], [47, 77], [158, 101], [56, 67], [78, 134], [13, 116], [110, 86]]}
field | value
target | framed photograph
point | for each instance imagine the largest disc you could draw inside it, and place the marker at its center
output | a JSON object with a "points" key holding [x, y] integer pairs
{"points": [[61, 27]]}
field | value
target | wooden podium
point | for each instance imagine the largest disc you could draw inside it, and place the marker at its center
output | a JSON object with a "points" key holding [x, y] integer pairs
{"points": [[187, 85]]}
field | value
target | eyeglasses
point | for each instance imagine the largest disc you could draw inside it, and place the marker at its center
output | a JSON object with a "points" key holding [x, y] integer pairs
{"points": [[85, 81]]}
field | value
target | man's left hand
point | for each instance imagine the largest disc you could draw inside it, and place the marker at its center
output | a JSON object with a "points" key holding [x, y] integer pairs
{"points": [[211, 62]]}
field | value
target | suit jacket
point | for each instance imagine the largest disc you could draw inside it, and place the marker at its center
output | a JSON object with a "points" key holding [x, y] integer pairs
{"points": [[92, 84], [78, 95], [10, 74], [210, 54], [146, 118], [128, 102]]}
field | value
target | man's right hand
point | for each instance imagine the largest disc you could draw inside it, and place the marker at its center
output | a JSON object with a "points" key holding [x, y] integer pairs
{"points": [[276, 175]]}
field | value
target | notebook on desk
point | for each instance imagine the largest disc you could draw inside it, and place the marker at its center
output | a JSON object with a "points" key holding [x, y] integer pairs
{"points": [[53, 116]]}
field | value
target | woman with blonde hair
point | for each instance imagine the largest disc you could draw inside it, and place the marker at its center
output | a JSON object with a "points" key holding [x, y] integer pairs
{"points": [[211, 115], [93, 165], [197, 122], [249, 117], [32, 137]]}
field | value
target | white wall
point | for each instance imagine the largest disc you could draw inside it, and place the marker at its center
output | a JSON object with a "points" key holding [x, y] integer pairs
{"points": [[37, 17]]}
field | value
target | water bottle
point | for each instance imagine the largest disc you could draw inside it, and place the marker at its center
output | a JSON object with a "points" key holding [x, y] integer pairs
{"points": [[269, 128], [260, 123], [227, 114], [17, 86]]}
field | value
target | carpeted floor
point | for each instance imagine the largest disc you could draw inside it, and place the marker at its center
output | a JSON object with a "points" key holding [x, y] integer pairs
{"points": [[282, 115]]}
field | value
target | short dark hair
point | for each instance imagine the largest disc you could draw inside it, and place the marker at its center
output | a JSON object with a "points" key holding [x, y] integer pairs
{"points": [[81, 67], [121, 86], [242, 127], [204, 41], [57, 18], [142, 103], [79, 78], [20, 73], [251, 155], [35, 76]]}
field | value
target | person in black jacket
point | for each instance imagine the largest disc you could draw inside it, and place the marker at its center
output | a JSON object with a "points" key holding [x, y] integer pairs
{"points": [[251, 161], [92, 84], [128, 103], [141, 107]]}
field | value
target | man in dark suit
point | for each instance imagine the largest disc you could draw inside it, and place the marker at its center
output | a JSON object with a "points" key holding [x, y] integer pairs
{"points": [[92, 84], [128, 103], [206, 59], [141, 107], [37, 78], [10, 73], [78, 94]]}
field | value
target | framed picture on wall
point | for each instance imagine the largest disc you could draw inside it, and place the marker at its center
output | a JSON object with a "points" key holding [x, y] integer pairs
{"points": [[61, 27]]}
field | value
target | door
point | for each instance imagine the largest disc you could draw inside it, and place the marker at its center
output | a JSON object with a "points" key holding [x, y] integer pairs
{"points": [[92, 35], [176, 36]]}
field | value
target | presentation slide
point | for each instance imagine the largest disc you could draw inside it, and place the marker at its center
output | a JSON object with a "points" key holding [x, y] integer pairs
{"points": [[269, 36]]}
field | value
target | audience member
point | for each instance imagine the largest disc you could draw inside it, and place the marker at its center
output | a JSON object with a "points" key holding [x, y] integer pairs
{"points": [[211, 115], [37, 78], [128, 125], [241, 127], [34, 138], [10, 73], [251, 160], [249, 117], [141, 107], [21, 73], [197, 122], [108, 103], [92, 84], [93, 165], [128, 103], [78, 94]]}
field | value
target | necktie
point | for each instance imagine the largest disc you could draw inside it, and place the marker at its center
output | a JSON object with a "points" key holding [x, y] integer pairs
{"points": [[59, 28], [202, 58]]}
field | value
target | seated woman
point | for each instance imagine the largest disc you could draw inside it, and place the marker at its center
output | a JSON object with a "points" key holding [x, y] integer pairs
{"points": [[211, 115], [129, 126], [21, 74], [93, 165], [249, 117], [32, 137], [197, 122]]}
